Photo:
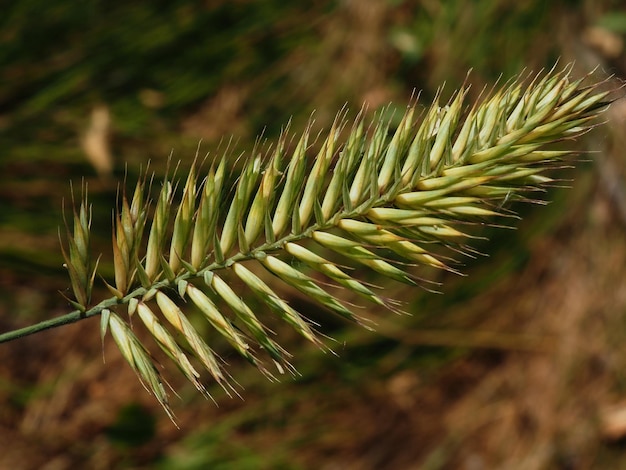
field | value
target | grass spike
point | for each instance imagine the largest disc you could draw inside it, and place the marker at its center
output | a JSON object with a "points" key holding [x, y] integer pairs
{"points": [[375, 197]]}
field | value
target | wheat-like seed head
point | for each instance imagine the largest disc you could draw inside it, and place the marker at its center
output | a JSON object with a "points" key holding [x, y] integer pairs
{"points": [[363, 198]]}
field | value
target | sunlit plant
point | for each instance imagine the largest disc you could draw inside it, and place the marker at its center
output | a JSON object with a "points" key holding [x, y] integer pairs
{"points": [[387, 201]]}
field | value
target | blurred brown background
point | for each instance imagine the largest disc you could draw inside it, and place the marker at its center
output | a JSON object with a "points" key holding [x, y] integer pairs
{"points": [[518, 366]]}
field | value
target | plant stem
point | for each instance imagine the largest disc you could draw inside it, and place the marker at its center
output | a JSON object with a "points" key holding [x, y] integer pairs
{"points": [[71, 317], [45, 325]]}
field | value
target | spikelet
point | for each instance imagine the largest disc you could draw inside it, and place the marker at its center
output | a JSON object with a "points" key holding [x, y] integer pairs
{"points": [[78, 262], [139, 359]]}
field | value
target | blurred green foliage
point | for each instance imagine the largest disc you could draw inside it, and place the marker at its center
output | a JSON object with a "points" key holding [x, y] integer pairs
{"points": [[613, 21], [69, 54], [134, 427]]}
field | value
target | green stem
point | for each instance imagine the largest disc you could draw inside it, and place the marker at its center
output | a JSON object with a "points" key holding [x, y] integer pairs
{"points": [[71, 317], [44, 325]]}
